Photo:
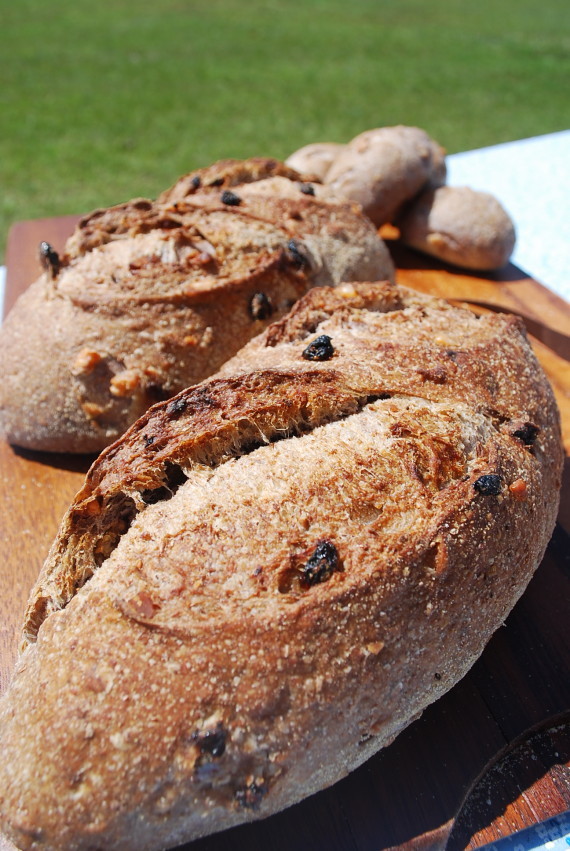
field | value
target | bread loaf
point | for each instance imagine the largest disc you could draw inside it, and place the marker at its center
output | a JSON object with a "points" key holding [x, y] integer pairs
{"points": [[151, 297], [315, 158], [383, 169], [459, 225], [270, 575], [397, 174]]}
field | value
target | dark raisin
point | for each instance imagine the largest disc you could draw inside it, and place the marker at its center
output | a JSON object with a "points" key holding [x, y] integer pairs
{"points": [[320, 349], [437, 676], [230, 198], [298, 256], [196, 181], [321, 565], [250, 796], [307, 189], [177, 406], [260, 306], [49, 258], [212, 742], [148, 439], [489, 485], [527, 432]]}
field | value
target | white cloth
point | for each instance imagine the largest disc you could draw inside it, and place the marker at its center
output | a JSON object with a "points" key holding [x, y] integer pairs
{"points": [[531, 179]]}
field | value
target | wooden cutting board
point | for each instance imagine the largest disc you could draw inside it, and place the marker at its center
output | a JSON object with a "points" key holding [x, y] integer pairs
{"points": [[507, 722]]}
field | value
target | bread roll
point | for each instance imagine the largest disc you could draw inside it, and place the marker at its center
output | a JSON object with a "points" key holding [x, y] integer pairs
{"points": [[269, 576], [315, 158], [150, 297], [459, 225], [383, 169]]}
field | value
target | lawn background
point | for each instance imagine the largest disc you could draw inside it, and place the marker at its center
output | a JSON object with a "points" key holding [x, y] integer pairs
{"points": [[103, 101]]}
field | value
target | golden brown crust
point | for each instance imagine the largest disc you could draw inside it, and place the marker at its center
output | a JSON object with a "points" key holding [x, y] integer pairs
{"points": [[226, 174], [288, 562], [150, 297]]}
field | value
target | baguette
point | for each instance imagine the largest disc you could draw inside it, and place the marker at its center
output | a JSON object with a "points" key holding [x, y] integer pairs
{"points": [[272, 574], [150, 297]]}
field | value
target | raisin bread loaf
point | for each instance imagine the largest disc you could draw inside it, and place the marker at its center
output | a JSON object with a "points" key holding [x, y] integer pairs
{"points": [[150, 297], [322, 537]]}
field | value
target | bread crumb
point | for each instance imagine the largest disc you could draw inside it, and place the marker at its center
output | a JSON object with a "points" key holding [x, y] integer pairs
{"points": [[207, 337], [117, 741]]}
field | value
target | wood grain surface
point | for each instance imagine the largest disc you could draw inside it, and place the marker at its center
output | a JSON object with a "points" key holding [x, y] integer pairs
{"points": [[489, 758]]}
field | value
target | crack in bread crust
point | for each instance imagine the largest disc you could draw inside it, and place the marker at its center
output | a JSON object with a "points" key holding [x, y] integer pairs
{"points": [[282, 567], [223, 418], [204, 426]]}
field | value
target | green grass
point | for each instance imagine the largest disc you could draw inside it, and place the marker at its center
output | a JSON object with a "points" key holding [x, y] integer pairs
{"points": [[103, 101]]}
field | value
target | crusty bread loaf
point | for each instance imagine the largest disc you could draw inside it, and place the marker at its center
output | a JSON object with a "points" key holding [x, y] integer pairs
{"points": [[385, 168], [459, 225], [269, 576], [397, 174], [150, 297], [315, 158]]}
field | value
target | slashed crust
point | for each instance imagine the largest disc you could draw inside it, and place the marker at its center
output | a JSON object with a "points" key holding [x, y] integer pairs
{"points": [[270, 575], [153, 296]]}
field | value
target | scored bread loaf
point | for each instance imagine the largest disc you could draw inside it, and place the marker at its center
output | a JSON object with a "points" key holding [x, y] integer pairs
{"points": [[270, 575], [150, 297]]}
